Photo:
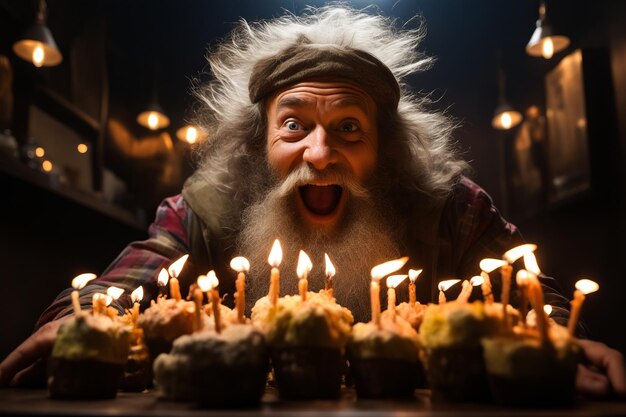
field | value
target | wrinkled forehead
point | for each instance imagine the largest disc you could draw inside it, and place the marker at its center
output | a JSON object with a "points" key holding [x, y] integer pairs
{"points": [[335, 95]]}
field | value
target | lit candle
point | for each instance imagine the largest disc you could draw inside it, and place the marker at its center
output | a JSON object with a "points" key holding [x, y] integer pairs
{"points": [[466, 289], [241, 265], [506, 271], [302, 270], [162, 280], [522, 283], [444, 286], [377, 273], [274, 259], [204, 285], [392, 282], [413, 274], [488, 265], [583, 287], [100, 302], [174, 273], [215, 299], [113, 293], [78, 283], [536, 298], [136, 297], [330, 273]]}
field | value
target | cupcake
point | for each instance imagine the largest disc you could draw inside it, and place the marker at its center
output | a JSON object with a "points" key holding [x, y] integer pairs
{"points": [[215, 369], [164, 321], [526, 371], [307, 340], [88, 357], [137, 372], [384, 360], [451, 334]]}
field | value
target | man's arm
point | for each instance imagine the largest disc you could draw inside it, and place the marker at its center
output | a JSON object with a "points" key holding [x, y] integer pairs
{"points": [[138, 264]]}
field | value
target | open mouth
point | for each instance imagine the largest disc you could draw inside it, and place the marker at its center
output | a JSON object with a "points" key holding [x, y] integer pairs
{"points": [[321, 200]]}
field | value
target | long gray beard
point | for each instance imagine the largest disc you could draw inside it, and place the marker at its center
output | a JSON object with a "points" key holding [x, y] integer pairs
{"points": [[362, 239]]}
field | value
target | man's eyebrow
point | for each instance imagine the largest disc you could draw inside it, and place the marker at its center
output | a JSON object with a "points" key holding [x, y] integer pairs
{"points": [[350, 102], [291, 102]]}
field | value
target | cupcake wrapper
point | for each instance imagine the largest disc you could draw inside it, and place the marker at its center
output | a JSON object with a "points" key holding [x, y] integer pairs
{"points": [[457, 375], [386, 378], [557, 387], [308, 373], [217, 386], [86, 379], [137, 375]]}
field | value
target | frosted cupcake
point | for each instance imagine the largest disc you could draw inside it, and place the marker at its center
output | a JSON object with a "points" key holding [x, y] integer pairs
{"points": [[88, 357], [307, 341]]}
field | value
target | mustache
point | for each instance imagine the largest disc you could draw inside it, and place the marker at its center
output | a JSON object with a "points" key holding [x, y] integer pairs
{"points": [[334, 174]]}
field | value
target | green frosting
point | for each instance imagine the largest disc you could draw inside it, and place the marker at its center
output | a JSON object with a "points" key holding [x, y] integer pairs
{"points": [[526, 357], [317, 322], [459, 324], [93, 337], [393, 340]]}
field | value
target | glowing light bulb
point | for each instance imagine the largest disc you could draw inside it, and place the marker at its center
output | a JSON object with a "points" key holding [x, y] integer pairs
{"points": [[46, 166], [82, 148], [153, 120], [40, 152], [192, 135], [505, 120], [547, 49], [38, 56]]}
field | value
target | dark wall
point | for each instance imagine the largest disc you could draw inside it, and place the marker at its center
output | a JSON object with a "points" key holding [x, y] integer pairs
{"points": [[46, 240]]}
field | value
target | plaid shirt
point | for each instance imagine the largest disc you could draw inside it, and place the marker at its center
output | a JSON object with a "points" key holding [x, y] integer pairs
{"points": [[467, 229]]}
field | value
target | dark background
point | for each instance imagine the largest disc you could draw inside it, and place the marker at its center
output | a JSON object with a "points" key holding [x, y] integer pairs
{"points": [[47, 238]]}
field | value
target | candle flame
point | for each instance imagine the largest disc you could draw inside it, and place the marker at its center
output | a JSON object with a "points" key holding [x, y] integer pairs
{"points": [[99, 296], [394, 280], [213, 281], [530, 263], [304, 265], [548, 309], [414, 273], [115, 292], [517, 252], [477, 280], [489, 264], [522, 277], [587, 286], [137, 295], [387, 268], [176, 267], [330, 268], [163, 277], [81, 280], [276, 255], [240, 264], [204, 283], [444, 285], [153, 120]]}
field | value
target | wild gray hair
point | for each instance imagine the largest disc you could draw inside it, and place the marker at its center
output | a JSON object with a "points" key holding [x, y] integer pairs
{"points": [[415, 144]]}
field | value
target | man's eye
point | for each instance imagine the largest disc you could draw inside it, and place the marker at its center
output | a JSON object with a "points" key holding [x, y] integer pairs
{"points": [[293, 125], [349, 127]]}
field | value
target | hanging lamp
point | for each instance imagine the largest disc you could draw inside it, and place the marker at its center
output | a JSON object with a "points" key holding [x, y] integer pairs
{"points": [[37, 44], [545, 41], [505, 117]]}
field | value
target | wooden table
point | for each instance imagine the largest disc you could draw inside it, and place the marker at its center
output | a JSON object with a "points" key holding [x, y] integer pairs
{"points": [[17, 402]]}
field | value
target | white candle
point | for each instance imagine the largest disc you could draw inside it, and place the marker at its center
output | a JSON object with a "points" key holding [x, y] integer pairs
{"points": [[78, 283], [241, 265]]}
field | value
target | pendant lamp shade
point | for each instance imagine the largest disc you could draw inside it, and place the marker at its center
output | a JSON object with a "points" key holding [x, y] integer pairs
{"points": [[545, 41], [505, 117], [37, 44], [153, 117]]}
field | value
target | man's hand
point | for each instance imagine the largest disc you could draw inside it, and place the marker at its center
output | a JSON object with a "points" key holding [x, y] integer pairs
{"points": [[25, 366], [605, 372]]}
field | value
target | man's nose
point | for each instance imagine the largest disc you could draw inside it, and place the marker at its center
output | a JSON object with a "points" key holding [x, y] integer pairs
{"points": [[319, 151]]}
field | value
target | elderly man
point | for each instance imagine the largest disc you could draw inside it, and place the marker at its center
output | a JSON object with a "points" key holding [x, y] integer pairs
{"points": [[314, 139]]}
